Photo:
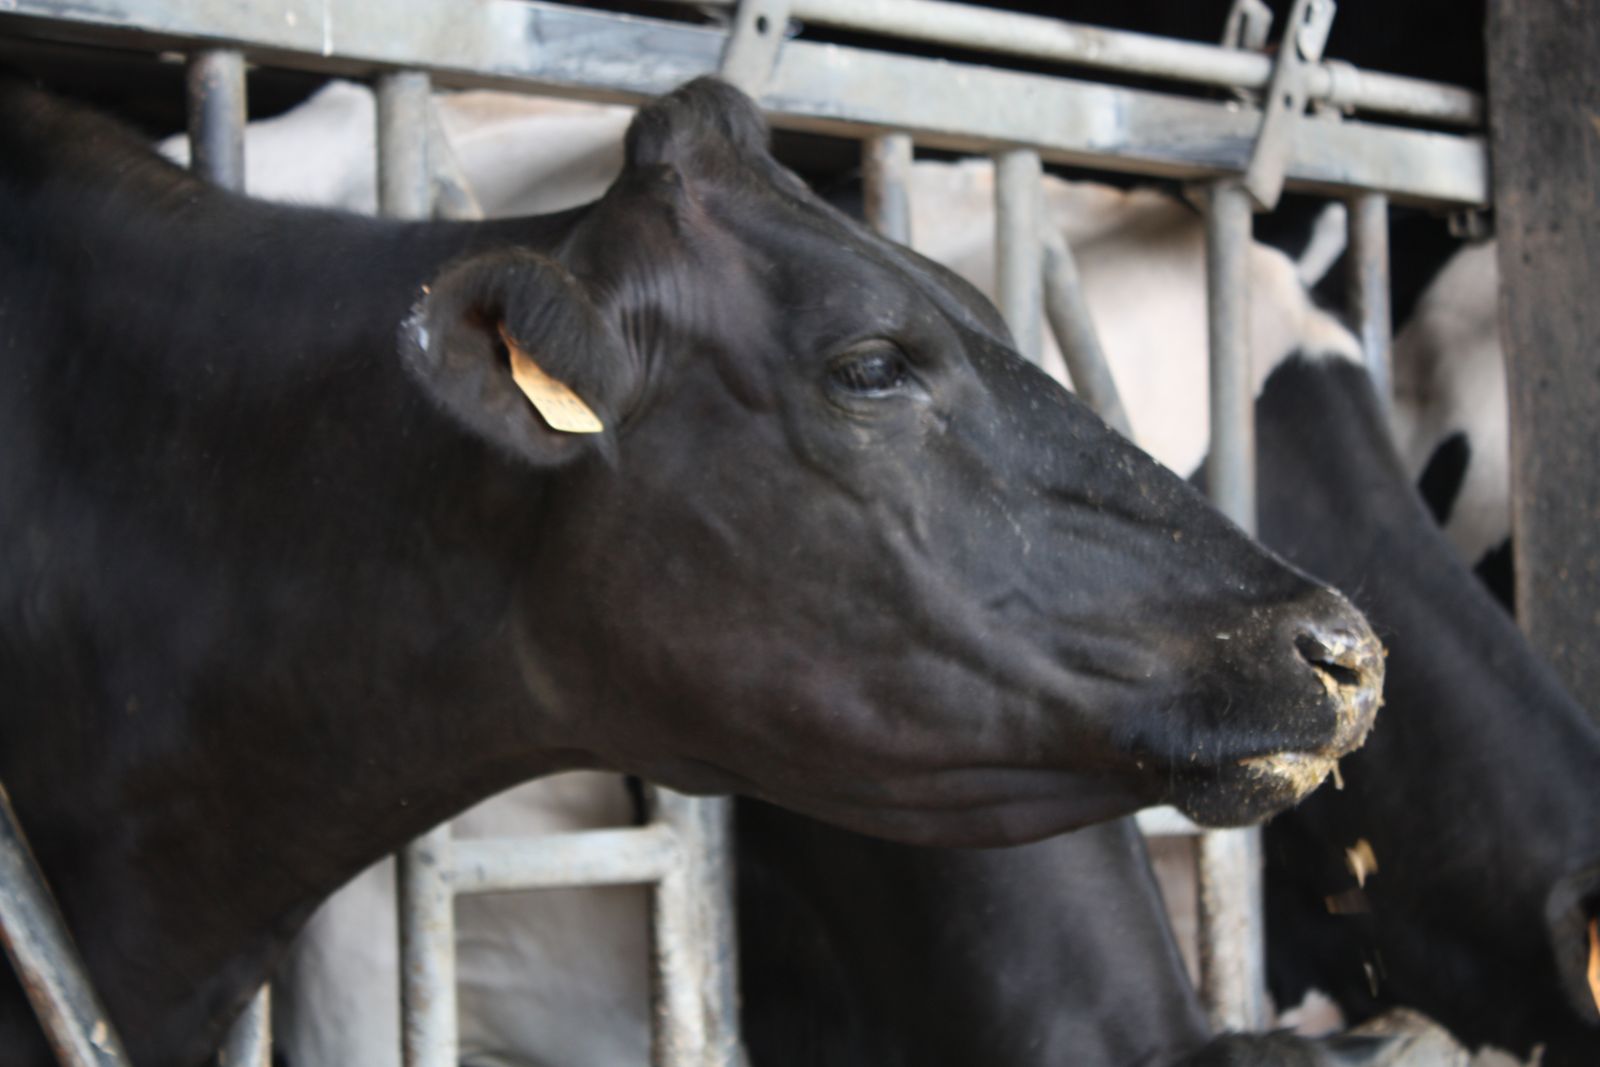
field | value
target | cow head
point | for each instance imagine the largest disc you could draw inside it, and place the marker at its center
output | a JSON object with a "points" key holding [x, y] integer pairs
{"points": [[840, 547]]}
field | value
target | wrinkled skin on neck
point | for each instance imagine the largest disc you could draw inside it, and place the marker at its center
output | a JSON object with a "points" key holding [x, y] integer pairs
{"points": [[1478, 792]]}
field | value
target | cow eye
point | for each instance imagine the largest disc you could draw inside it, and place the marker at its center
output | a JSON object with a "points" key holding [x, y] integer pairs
{"points": [[871, 369]]}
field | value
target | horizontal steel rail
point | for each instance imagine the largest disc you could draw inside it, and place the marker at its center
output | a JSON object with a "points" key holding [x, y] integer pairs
{"points": [[1009, 33], [561, 861], [854, 92]]}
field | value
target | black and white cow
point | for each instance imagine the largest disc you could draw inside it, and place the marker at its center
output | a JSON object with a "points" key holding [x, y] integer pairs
{"points": [[856, 952], [293, 570], [1458, 869]]}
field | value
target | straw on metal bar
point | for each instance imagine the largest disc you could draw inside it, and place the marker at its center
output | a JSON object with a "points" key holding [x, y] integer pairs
{"points": [[1232, 941], [216, 102], [1019, 255], [1368, 285], [46, 961], [886, 181]]}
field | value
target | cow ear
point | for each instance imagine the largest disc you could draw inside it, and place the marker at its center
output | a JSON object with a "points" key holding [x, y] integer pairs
{"points": [[511, 345]]}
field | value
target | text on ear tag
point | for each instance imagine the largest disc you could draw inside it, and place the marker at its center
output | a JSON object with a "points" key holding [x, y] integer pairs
{"points": [[559, 406]]}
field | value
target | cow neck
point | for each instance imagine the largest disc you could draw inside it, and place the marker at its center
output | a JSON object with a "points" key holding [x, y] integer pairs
{"points": [[222, 382]]}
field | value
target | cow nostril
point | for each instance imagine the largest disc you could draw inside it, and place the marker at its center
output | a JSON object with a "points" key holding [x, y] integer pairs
{"points": [[1326, 659]]}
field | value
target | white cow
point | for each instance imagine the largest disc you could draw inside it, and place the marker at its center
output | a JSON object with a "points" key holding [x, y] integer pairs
{"points": [[559, 977]]}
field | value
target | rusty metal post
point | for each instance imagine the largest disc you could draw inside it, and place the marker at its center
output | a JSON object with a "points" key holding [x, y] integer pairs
{"points": [[217, 112], [1368, 286], [46, 961], [886, 181], [695, 966], [1018, 254], [1232, 938]]}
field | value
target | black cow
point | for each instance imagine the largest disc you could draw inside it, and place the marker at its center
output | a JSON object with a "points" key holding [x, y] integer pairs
{"points": [[291, 570], [863, 953], [1479, 792]]}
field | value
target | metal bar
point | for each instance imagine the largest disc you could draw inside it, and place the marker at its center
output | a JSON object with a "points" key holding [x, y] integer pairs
{"points": [[886, 180], [589, 858], [1232, 935], [1285, 103], [217, 115], [1075, 335], [46, 961], [405, 180], [427, 952], [453, 196], [1368, 286], [1232, 941], [1036, 37], [249, 1042], [1230, 470], [218, 111], [753, 43], [695, 964], [825, 88], [422, 871], [1018, 252]]}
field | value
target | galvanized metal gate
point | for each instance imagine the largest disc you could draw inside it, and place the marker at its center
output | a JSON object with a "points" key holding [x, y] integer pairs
{"points": [[1285, 121]]}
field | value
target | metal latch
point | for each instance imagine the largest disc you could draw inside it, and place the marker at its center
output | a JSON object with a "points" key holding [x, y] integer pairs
{"points": [[759, 27], [1304, 37]]}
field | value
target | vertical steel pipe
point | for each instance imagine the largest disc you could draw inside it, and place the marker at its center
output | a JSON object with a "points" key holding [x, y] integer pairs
{"points": [[217, 111], [1231, 467], [695, 964], [427, 952], [405, 179], [249, 1042], [423, 870], [217, 115], [886, 184], [1074, 331], [1018, 254], [46, 961], [1232, 940], [1368, 286]]}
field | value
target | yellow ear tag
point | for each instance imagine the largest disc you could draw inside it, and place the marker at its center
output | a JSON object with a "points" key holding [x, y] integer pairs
{"points": [[559, 406]]}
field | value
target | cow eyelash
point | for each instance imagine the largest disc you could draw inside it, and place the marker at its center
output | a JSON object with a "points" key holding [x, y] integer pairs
{"points": [[871, 369]]}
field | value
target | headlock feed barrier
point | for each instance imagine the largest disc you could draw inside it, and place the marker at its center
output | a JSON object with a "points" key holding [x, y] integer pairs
{"points": [[1288, 120]]}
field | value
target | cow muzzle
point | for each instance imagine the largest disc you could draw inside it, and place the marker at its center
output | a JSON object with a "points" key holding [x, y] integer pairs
{"points": [[1346, 660]]}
